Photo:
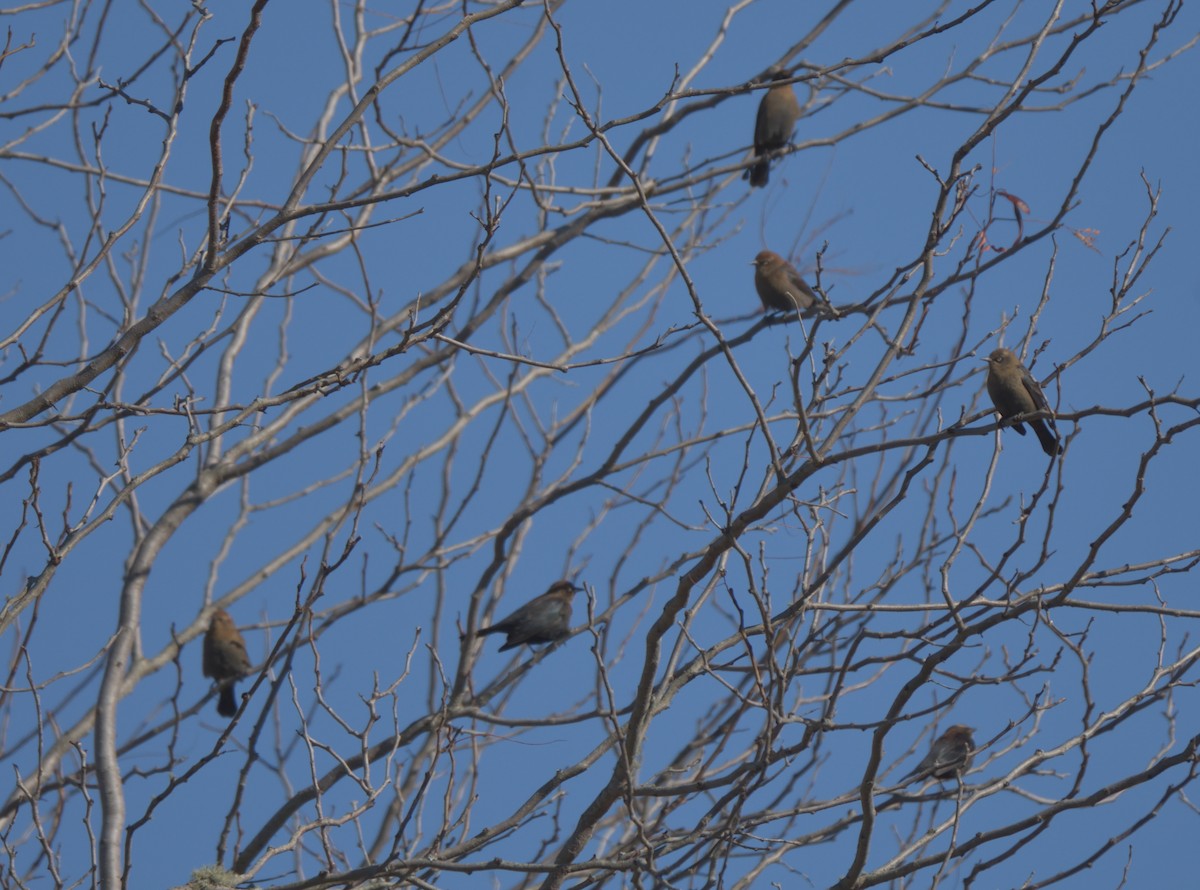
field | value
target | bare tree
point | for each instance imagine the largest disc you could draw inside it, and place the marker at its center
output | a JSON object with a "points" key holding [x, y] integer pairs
{"points": [[366, 324]]}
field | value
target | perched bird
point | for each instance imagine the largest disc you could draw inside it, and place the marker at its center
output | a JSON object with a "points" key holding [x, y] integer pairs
{"points": [[546, 619], [777, 114], [949, 756], [1014, 392], [225, 659], [780, 286]]}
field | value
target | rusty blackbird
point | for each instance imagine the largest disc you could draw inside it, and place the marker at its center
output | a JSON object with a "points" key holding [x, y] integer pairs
{"points": [[780, 286], [1014, 392], [949, 756], [225, 659], [545, 619], [777, 114]]}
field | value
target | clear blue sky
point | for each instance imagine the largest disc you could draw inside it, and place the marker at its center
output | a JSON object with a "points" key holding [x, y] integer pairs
{"points": [[867, 198]]}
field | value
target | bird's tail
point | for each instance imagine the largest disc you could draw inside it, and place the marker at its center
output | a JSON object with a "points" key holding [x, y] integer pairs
{"points": [[227, 704], [1046, 436]]}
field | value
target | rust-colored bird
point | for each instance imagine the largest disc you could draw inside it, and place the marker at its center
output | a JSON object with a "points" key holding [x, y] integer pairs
{"points": [[545, 619], [949, 756], [777, 115], [780, 286], [225, 659], [1014, 392]]}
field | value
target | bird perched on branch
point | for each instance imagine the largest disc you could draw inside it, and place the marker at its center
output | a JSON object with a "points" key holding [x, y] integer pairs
{"points": [[780, 286], [546, 619], [777, 114], [949, 756], [1014, 392], [225, 659]]}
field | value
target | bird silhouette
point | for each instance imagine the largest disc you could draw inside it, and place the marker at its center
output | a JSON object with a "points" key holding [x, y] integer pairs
{"points": [[544, 619], [225, 659], [1014, 392], [950, 755], [777, 115]]}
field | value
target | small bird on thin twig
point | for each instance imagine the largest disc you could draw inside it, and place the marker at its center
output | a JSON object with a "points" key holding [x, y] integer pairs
{"points": [[545, 619], [225, 659], [780, 286], [949, 756], [777, 115], [1014, 392]]}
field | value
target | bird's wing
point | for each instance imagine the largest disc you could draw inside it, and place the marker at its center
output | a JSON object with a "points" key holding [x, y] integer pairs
{"points": [[800, 284], [1035, 391], [760, 125], [947, 755]]}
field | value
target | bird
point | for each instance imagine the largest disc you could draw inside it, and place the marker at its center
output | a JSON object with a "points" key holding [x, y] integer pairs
{"points": [[1014, 392], [777, 115], [544, 619], [225, 659], [780, 286], [950, 755]]}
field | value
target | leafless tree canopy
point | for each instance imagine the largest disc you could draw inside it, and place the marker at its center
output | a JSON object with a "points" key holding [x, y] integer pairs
{"points": [[368, 322]]}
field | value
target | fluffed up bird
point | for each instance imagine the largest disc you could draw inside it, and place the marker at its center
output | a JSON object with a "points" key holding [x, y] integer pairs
{"points": [[1014, 392], [780, 286], [777, 115], [225, 659], [546, 619], [949, 756]]}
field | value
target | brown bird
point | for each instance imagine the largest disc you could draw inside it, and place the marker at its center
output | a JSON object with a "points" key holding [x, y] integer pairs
{"points": [[777, 114], [1014, 392], [546, 619], [949, 756], [780, 286], [225, 659]]}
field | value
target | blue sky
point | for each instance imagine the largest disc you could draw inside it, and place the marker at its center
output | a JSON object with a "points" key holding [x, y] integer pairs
{"points": [[863, 198]]}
